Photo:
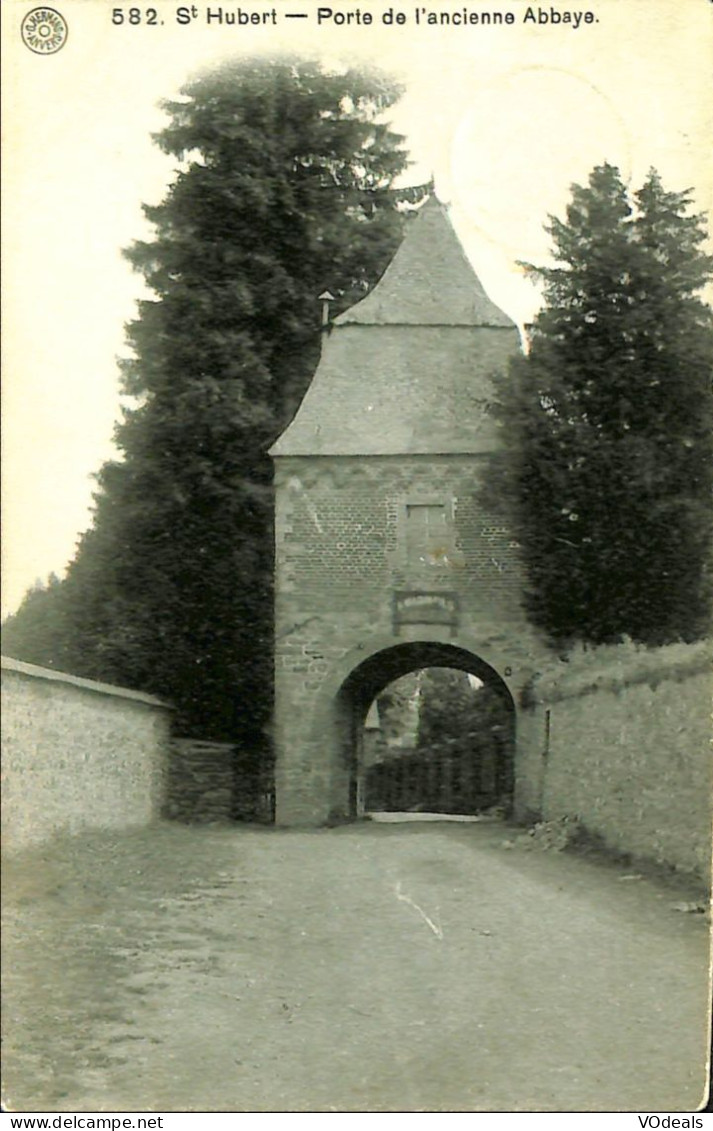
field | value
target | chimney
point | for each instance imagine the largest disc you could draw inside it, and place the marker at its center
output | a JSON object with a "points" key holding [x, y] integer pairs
{"points": [[325, 298]]}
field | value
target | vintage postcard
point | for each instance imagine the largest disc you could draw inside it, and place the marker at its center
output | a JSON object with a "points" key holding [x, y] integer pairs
{"points": [[357, 467]]}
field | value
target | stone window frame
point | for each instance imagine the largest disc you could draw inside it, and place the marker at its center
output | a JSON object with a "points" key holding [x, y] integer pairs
{"points": [[425, 499]]}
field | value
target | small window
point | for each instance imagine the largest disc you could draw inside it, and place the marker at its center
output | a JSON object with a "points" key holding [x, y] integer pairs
{"points": [[426, 534]]}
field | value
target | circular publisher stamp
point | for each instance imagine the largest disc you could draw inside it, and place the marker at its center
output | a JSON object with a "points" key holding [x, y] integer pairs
{"points": [[44, 31]]}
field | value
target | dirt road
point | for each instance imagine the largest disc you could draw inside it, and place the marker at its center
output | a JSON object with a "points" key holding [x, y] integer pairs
{"points": [[374, 967]]}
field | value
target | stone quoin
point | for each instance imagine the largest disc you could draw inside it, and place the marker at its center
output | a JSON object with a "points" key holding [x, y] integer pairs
{"points": [[386, 561]]}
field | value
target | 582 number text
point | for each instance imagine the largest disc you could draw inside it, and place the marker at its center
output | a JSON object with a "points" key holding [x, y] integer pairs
{"points": [[134, 16]]}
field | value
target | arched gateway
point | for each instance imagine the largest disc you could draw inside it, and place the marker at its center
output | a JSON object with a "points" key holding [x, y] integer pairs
{"points": [[386, 562]]}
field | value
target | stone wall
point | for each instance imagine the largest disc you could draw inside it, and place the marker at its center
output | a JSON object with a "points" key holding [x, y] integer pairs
{"points": [[200, 780], [77, 755], [625, 747]]}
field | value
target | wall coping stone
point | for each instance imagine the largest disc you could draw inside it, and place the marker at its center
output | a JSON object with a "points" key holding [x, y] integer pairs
{"points": [[19, 667], [359, 458], [614, 667]]}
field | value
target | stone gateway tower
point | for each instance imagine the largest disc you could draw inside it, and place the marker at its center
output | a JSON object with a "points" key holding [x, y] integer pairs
{"points": [[385, 561]]}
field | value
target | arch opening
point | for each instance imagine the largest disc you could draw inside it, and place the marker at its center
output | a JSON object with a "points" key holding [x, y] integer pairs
{"points": [[427, 727]]}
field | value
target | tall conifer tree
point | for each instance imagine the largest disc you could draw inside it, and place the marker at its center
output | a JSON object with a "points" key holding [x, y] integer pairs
{"points": [[284, 187], [608, 464]]}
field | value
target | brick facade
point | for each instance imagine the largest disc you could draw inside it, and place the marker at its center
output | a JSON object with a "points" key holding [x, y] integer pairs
{"points": [[342, 520]]}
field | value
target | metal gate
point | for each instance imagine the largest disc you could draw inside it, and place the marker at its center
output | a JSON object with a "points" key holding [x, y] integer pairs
{"points": [[441, 780]]}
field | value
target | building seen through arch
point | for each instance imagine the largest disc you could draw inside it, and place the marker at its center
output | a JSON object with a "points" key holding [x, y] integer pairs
{"points": [[386, 562]]}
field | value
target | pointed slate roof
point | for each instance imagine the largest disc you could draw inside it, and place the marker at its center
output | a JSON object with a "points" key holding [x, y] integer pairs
{"points": [[429, 282], [408, 370]]}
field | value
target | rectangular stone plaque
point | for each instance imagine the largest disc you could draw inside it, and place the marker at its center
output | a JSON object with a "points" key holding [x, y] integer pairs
{"points": [[422, 607]]}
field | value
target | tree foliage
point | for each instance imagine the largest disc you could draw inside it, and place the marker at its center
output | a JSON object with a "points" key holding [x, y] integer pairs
{"points": [[446, 745], [607, 466], [284, 187], [456, 717], [37, 632]]}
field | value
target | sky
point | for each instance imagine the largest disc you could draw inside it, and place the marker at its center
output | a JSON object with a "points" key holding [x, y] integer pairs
{"points": [[504, 117]]}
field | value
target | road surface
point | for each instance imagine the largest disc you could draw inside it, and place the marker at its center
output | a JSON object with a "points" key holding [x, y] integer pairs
{"points": [[374, 967]]}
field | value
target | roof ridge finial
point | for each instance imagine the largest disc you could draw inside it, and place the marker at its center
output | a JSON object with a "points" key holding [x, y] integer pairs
{"points": [[434, 195]]}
